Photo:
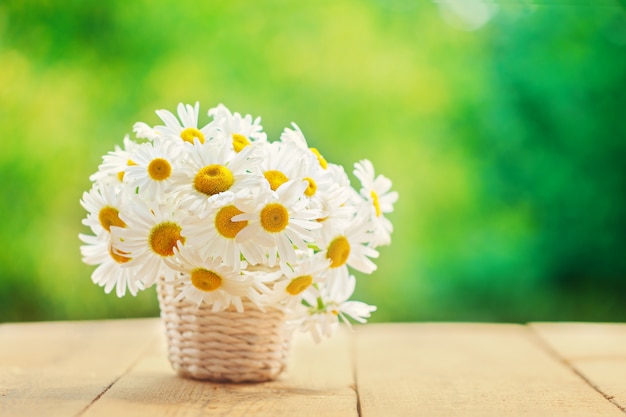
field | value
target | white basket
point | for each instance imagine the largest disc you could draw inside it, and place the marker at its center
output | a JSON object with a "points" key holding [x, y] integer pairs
{"points": [[227, 346]]}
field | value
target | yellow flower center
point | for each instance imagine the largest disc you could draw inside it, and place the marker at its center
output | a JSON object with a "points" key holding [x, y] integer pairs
{"points": [[120, 175], [320, 158], [118, 255], [376, 203], [110, 216], [224, 224], [164, 237], [190, 133], [297, 285], [239, 142], [274, 217], [275, 178], [213, 179], [159, 169], [311, 189], [205, 280], [338, 251]]}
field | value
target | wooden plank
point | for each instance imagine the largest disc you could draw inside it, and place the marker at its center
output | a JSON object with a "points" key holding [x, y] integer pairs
{"points": [[469, 370], [595, 350], [59, 368], [319, 382]]}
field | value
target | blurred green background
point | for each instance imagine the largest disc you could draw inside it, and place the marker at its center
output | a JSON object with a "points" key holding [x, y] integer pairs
{"points": [[502, 127]]}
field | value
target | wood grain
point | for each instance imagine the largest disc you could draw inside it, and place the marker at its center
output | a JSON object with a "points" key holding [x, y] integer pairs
{"points": [[466, 370], [58, 369], [120, 368], [318, 382], [596, 351]]}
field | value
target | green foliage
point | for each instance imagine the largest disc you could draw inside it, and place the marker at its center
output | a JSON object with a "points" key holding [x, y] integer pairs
{"points": [[506, 143]]}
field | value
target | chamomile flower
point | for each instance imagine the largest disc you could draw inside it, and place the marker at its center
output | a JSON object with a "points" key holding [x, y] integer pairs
{"points": [[281, 162], [285, 161], [336, 294], [238, 131], [332, 304], [189, 130], [320, 182], [341, 179], [279, 222], [215, 236], [103, 204], [143, 131], [110, 273], [212, 171], [296, 137], [299, 279], [337, 204], [376, 190], [155, 169], [152, 234], [114, 164], [350, 247], [209, 281]]}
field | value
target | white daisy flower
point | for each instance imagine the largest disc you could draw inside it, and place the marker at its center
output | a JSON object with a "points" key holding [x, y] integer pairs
{"points": [[312, 167], [341, 179], [279, 222], [336, 214], [103, 204], [238, 131], [296, 137], [350, 247], [308, 166], [209, 281], [188, 131], [110, 272], [143, 131], [376, 190], [114, 164], [335, 296], [265, 277], [332, 304], [318, 324], [281, 162], [320, 183], [298, 280], [336, 203], [151, 235], [155, 169], [215, 236], [214, 169]]}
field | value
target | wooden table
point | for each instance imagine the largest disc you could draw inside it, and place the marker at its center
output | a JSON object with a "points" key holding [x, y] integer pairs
{"points": [[119, 368]]}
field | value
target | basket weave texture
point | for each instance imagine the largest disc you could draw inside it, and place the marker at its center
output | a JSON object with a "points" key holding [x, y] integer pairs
{"points": [[227, 346]]}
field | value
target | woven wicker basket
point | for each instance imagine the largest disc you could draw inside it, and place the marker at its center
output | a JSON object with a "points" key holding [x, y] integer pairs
{"points": [[228, 346]]}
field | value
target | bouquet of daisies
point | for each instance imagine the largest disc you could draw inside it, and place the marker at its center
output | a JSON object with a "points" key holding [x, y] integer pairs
{"points": [[226, 216]]}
